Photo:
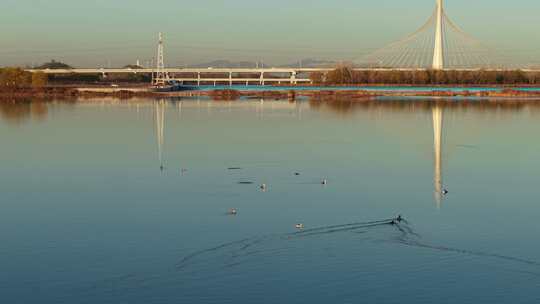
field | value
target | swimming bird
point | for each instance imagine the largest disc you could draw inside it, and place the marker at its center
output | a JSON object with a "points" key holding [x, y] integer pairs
{"points": [[399, 218], [232, 211], [445, 192], [324, 182], [263, 187], [296, 173], [299, 226], [245, 183]]}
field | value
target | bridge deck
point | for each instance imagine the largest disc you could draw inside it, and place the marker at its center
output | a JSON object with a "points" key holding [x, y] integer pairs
{"points": [[231, 70]]}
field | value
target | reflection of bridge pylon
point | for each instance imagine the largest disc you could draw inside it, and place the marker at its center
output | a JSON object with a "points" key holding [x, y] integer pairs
{"points": [[437, 144], [160, 125]]}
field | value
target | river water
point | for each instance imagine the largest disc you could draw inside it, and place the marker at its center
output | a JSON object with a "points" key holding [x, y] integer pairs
{"points": [[471, 89], [107, 201]]}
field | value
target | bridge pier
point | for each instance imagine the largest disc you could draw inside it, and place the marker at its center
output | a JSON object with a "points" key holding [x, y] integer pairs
{"points": [[198, 78], [230, 79], [261, 81], [293, 77]]}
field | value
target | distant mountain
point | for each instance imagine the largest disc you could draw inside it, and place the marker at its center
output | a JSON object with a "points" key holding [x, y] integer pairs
{"points": [[227, 64], [312, 63], [305, 63]]}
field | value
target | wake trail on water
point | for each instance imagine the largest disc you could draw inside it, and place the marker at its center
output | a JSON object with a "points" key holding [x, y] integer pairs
{"points": [[233, 252], [222, 246], [411, 239], [250, 250], [238, 248]]}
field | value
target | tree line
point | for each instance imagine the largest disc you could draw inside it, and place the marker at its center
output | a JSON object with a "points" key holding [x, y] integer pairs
{"points": [[344, 75], [13, 79]]}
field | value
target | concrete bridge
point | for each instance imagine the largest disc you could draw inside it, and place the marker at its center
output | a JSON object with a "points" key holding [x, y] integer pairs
{"points": [[209, 75], [230, 76]]}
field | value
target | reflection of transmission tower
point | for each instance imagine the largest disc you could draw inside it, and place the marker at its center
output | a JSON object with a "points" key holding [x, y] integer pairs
{"points": [[438, 44], [437, 144], [161, 76], [160, 126]]}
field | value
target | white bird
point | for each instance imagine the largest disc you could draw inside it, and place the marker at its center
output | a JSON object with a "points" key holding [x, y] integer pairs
{"points": [[324, 182], [299, 226], [263, 187]]}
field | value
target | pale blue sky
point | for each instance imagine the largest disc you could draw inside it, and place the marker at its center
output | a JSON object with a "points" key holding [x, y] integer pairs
{"points": [[96, 32]]}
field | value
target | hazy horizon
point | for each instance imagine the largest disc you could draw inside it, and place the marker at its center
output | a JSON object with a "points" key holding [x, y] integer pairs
{"points": [[116, 33]]}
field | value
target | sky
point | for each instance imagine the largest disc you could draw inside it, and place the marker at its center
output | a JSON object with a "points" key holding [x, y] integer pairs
{"points": [[102, 33]]}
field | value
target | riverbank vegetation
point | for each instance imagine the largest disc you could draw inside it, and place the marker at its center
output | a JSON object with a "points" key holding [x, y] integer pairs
{"points": [[99, 79], [346, 75], [18, 83], [16, 79]]}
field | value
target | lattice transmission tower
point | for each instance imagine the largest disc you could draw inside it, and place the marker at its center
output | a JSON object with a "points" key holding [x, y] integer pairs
{"points": [[161, 77], [438, 44]]}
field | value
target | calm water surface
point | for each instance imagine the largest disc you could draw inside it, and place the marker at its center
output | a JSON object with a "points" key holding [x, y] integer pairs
{"points": [[366, 88], [88, 216]]}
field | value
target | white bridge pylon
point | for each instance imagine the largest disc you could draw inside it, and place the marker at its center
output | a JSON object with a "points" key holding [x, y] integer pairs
{"points": [[438, 52], [438, 44]]}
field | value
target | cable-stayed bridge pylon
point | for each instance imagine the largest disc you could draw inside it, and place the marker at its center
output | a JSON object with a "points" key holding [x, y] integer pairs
{"points": [[438, 44]]}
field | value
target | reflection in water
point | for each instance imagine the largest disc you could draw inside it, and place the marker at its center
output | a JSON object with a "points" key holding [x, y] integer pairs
{"points": [[18, 111], [22, 111], [39, 110], [337, 105], [437, 143], [159, 109], [179, 108], [387, 104]]}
